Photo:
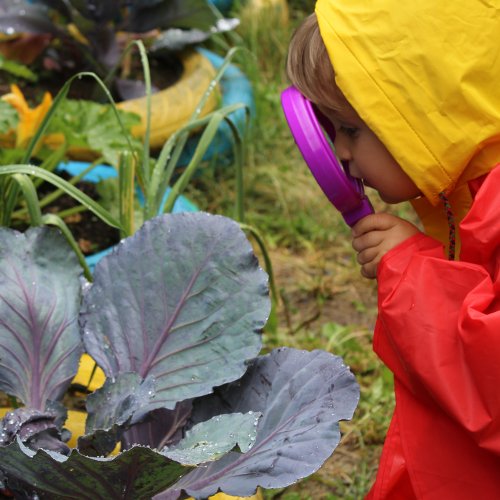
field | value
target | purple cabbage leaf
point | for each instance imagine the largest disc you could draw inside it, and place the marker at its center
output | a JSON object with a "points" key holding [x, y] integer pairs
{"points": [[40, 341], [110, 409], [39, 301], [302, 396], [173, 317], [159, 428], [183, 301]]}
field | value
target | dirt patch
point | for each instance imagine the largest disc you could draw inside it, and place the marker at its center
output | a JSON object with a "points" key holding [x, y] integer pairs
{"points": [[320, 291], [318, 287]]}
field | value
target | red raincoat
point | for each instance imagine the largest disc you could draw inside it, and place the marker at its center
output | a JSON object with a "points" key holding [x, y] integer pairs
{"points": [[439, 332]]}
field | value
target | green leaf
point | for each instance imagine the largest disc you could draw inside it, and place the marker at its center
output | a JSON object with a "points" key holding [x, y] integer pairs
{"points": [[17, 69], [91, 125], [210, 440], [66, 186]]}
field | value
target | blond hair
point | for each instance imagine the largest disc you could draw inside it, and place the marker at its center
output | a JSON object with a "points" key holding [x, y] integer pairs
{"points": [[309, 68]]}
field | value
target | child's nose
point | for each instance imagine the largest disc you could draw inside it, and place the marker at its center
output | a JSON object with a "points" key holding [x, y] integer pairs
{"points": [[342, 148]]}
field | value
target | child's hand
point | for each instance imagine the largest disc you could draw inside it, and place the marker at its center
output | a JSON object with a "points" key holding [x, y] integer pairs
{"points": [[375, 235]]}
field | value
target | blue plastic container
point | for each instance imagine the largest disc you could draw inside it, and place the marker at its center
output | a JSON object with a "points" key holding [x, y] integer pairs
{"points": [[235, 88]]}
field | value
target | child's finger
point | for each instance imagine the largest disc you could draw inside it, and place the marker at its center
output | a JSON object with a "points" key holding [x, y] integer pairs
{"points": [[368, 255], [367, 240], [369, 270], [372, 222]]}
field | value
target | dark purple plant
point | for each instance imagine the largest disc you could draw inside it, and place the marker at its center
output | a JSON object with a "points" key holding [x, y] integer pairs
{"points": [[173, 317], [90, 35]]}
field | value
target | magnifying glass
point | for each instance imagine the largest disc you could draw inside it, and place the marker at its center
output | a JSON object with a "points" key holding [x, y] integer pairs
{"points": [[308, 127]]}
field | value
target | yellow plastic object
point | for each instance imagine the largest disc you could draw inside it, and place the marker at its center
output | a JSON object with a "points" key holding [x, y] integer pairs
{"points": [[172, 107], [84, 376], [223, 496]]}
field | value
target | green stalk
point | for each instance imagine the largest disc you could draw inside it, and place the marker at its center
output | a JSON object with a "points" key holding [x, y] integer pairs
{"points": [[203, 144], [239, 157], [51, 162], [57, 181], [172, 150], [49, 198], [71, 211], [164, 167], [55, 220], [143, 173], [267, 259], [147, 134], [30, 195], [126, 189]]}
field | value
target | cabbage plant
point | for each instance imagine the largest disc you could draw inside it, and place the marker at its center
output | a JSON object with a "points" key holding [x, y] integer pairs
{"points": [[174, 318]]}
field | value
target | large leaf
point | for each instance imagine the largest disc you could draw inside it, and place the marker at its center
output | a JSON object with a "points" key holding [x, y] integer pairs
{"points": [[302, 396], [9, 117], [40, 343], [136, 474], [183, 301], [117, 401], [86, 124]]}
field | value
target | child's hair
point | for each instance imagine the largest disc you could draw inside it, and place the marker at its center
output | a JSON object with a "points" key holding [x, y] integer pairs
{"points": [[309, 68]]}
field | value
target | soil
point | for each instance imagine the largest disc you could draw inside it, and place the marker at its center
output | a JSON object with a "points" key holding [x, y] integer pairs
{"points": [[90, 232]]}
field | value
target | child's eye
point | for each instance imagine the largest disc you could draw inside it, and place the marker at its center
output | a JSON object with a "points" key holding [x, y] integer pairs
{"points": [[349, 131]]}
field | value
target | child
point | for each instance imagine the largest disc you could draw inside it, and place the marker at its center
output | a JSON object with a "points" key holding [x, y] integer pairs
{"points": [[413, 90]]}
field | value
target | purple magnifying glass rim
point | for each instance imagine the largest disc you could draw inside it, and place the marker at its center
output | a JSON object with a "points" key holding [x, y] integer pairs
{"points": [[344, 191]]}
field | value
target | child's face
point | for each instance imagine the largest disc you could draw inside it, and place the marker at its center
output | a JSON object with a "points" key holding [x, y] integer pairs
{"points": [[368, 158]]}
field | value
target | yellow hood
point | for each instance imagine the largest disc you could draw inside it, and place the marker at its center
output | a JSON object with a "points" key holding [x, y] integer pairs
{"points": [[425, 76]]}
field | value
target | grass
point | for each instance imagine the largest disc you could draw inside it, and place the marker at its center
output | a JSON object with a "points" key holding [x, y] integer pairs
{"points": [[324, 301]]}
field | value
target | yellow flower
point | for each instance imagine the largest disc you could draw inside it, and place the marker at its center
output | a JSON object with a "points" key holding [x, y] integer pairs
{"points": [[29, 119]]}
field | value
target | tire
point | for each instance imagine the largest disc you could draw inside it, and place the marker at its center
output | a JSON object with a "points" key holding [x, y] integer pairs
{"points": [[172, 107]]}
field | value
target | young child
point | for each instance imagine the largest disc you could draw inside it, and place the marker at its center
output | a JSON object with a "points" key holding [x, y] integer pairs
{"points": [[413, 90]]}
